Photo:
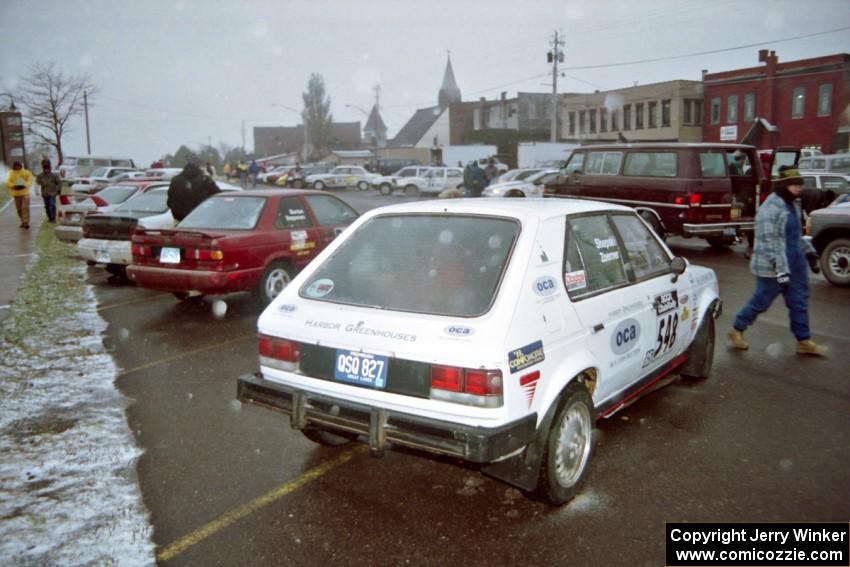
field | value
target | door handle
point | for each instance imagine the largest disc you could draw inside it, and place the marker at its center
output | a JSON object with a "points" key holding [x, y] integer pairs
{"points": [[598, 327]]}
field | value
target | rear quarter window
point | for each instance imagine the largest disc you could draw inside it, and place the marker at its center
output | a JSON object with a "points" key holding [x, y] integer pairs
{"points": [[712, 164], [651, 164]]}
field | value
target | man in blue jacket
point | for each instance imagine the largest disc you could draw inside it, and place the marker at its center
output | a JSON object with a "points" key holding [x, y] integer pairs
{"points": [[780, 261]]}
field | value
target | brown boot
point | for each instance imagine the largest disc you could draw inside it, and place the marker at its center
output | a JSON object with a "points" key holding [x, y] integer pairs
{"points": [[737, 338], [811, 347]]}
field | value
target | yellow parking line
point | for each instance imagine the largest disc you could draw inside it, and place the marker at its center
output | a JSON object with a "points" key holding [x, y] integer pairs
{"points": [[173, 550], [184, 354]]}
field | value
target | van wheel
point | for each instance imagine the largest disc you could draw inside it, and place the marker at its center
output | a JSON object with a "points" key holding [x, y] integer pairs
{"points": [[569, 444], [363, 185], [835, 262], [276, 277], [654, 223], [701, 352], [386, 189], [720, 242], [411, 190], [326, 438]]}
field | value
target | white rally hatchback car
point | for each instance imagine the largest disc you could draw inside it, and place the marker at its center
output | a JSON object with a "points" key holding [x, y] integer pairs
{"points": [[342, 176], [496, 331]]}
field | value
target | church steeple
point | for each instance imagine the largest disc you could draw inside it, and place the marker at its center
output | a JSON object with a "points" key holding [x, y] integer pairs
{"points": [[449, 91]]}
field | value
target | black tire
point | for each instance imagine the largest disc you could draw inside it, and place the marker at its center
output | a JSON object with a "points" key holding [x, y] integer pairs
{"points": [[326, 438], [835, 262], [569, 445], [411, 190], [701, 352], [363, 185], [514, 193], [276, 277], [654, 223], [386, 189], [319, 185], [117, 270], [720, 242]]}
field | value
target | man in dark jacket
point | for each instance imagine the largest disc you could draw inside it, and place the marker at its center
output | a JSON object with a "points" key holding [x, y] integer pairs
{"points": [[188, 189], [51, 186]]}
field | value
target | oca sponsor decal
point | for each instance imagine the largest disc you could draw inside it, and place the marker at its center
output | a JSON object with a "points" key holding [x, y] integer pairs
{"points": [[625, 336], [459, 331], [287, 308], [545, 285]]}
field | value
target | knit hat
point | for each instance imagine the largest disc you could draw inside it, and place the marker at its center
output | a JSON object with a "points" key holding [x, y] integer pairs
{"points": [[787, 176]]}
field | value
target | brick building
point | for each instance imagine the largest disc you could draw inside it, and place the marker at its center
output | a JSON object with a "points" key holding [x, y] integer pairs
{"points": [[11, 137], [800, 103], [273, 140]]}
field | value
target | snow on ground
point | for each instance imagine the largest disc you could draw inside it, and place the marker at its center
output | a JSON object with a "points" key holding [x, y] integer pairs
{"points": [[68, 488]]}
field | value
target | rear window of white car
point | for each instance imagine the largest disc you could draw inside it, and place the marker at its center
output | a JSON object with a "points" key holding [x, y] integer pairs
{"points": [[225, 212], [149, 202], [439, 264], [116, 193]]}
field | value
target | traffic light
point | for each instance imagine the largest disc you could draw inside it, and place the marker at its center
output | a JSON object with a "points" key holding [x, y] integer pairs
{"points": [[550, 57]]}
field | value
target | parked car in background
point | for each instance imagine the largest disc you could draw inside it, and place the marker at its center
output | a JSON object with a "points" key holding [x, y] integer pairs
{"points": [[386, 184], [163, 172], [690, 190], [75, 167], [75, 207], [531, 186], [106, 236], [297, 179], [833, 163], [99, 178], [273, 174], [434, 181], [254, 240], [821, 188], [829, 229], [391, 166], [492, 331], [340, 177]]}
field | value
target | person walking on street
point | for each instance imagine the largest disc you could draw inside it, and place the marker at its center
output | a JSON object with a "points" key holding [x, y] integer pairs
{"points": [[479, 180], [18, 181], [491, 171], [242, 172], [50, 186], [254, 170], [188, 189], [780, 262]]}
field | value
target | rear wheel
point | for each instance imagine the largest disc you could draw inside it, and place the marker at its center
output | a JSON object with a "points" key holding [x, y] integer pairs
{"points": [[319, 186], [701, 352], [720, 242], [411, 190], [363, 185], [569, 445], [835, 262], [326, 438], [276, 277], [117, 270], [386, 189]]}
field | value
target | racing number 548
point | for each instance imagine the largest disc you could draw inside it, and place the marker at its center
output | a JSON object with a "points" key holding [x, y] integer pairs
{"points": [[666, 333]]}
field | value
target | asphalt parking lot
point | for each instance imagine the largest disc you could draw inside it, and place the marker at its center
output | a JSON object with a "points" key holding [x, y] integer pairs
{"points": [[766, 438]]}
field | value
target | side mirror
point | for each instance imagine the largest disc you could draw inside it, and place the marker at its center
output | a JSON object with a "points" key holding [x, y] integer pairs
{"points": [[678, 265]]}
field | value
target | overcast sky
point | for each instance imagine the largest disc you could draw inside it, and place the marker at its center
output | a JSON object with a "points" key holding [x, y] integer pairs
{"points": [[175, 72]]}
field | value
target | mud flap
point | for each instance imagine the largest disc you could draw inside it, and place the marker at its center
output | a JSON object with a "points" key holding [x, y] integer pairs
{"points": [[523, 469]]}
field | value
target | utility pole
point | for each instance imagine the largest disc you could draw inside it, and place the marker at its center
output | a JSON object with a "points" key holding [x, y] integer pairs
{"points": [[86, 108], [555, 56], [243, 136]]}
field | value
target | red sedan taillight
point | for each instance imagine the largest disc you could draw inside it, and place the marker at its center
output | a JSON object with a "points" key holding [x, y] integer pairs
{"points": [[474, 387], [282, 354]]}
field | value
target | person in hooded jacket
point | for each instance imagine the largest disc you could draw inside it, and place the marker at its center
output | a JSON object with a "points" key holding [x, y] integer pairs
{"points": [[188, 189], [18, 181], [780, 261]]}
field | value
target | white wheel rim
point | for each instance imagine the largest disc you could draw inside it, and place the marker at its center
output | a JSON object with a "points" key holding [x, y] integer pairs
{"points": [[839, 261], [574, 437], [277, 280]]}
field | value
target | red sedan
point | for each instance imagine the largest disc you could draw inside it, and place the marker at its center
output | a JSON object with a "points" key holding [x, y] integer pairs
{"points": [[239, 241]]}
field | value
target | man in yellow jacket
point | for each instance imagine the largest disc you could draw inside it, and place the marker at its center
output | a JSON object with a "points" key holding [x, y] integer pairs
{"points": [[19, 182]]}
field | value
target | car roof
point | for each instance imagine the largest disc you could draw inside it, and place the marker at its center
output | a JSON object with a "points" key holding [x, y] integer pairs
{"points": [[523, 209], [274, 192]]}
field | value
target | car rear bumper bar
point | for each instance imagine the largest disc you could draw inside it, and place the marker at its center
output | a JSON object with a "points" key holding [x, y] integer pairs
{"points": [[719, 228], [205, 281], [382, 427]]}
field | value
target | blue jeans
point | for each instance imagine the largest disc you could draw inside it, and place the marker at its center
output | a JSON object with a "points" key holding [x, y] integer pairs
{"points": [[50, 207], [796, 297]]}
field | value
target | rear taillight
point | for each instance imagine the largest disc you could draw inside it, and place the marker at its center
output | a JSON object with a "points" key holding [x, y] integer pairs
{"points": [[141, 250], [473, 387], [695, 200], [279, 353], [208, 255]]}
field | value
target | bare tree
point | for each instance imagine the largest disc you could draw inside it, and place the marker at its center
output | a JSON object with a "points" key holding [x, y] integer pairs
{"points": [[50, 100]]}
